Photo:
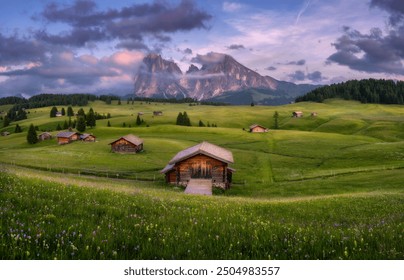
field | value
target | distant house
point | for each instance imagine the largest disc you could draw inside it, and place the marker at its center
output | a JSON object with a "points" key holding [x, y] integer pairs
{"points": [[297, 114], [66, 137], [127, 144], [202, 161], [140, 113], [258, 128], [157, 113], [44, 136], [59, 114], [87, 137], [5, 133], [314, 114]]}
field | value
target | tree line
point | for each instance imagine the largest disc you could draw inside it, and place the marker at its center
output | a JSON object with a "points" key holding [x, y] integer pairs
{"points": [[366, 91]]}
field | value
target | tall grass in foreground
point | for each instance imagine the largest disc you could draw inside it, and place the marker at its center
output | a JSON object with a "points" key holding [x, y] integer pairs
{"points": [[44, 220]]}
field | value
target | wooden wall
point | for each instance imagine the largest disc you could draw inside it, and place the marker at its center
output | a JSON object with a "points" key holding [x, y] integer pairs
{"points": [[199, 166], [123, 146]]}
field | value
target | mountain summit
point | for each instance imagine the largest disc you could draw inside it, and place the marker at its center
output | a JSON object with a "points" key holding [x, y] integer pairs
{"points": [[220, 78]]}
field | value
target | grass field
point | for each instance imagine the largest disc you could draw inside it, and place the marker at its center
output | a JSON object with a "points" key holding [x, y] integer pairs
{"points": [[324, 187]]}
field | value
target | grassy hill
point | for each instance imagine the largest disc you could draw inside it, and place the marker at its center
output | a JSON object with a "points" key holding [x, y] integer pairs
{"points": [[311, 189]]}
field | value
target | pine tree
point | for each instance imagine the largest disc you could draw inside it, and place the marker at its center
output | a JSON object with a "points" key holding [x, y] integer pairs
{"points": [[81, 124], [201, 124], [63, 112], [80, 112], [91, 121], [65, 125], [109, 124], [124, 124], [186, 120], [70, 112], [276, 117], [138, 121], [58, 127], [53, 112], [17, 129], [180, 119], [32, 137], [6, 121], [119, 102]]}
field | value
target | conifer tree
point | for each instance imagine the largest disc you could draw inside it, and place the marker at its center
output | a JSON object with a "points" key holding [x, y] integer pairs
{"points": [[58, 127], [81, 124], [65, 125], [180, 119], [17, 129], [53, 112], [63, 112], [32, 137], [70, 112], [91, 121], [6, 121], [109, 124], [276, 117], [138, 121]]}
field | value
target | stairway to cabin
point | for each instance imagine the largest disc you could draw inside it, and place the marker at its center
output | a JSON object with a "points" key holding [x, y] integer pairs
{"points": [[199, 186]]}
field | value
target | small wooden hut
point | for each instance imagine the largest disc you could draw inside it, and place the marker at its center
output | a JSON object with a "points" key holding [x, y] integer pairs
{"points": [[44, 136], [66, 137], [157, 113], [202, 161], [87, 137], [127, 144], [256, 128], [297, 114]]}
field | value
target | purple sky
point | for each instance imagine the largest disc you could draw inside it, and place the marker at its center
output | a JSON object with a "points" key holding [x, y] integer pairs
{"points": [[97, 46]]}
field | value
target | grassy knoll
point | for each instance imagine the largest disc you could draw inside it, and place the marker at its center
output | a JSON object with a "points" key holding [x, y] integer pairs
{"points": [[47, 220], [324, 187]]}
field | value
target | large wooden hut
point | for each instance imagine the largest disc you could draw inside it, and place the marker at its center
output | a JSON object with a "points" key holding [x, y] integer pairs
{"points": [[255, 128], [202, 161], [66, 137], [127, 144]]}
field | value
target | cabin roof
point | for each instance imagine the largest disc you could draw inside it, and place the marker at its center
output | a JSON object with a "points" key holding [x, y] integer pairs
{"points": [[205, 148], [168, 167], [131, 139], [66, 134], [85, 135], [45, 133], [257, 125]]}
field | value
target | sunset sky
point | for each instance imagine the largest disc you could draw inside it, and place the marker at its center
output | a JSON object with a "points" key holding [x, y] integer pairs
{"points": [[97, 46]]}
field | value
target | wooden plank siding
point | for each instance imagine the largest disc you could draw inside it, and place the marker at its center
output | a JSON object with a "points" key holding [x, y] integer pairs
{"points": [[199, 166], [124, 146]]}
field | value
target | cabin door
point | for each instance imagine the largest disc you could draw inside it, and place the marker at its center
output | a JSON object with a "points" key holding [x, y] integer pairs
{"points": [[202, 170]]}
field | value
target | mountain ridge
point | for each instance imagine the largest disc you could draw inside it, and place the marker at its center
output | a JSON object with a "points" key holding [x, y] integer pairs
{"points": [[218, 79]]}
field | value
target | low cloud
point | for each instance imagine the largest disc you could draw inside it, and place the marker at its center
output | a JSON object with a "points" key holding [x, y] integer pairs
{"points": [[235, 47], [299, 76], [209, 58], [271, 68]]}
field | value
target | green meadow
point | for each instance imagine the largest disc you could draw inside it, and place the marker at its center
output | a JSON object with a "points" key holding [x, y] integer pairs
{"points": [[323, 187]]}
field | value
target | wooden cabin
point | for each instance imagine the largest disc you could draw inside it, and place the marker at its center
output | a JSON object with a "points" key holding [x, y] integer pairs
{"points": [[66, 137], [44, 136], [297, 114], [256, 128], [157, 113], [87, 137], [314, 114], [204, 160], [127, 144], [5, 133]]}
